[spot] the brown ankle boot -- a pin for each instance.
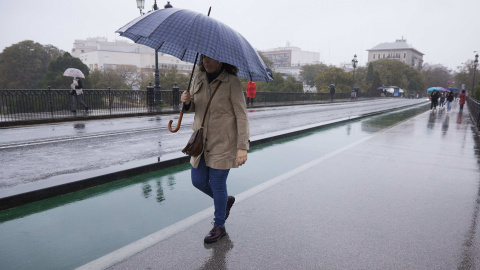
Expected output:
(215, 234)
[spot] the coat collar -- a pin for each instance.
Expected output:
(223, 77)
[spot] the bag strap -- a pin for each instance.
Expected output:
(209, 101)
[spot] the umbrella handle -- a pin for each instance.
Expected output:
(178, 124)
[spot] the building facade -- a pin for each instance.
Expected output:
(289, 60)
(99, 53)
(399, 50)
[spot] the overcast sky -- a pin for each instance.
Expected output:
(446, 31)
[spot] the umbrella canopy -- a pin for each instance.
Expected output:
(454, 89)
(73, 72)
(438, 88)
(184, 33)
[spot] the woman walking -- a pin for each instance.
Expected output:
(463, 98)
(226, 134)
(434, 100)
(450, 98)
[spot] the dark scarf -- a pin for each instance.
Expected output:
(213, 76)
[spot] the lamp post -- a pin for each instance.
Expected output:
(354, 65)
(474, 71)
(140, 5)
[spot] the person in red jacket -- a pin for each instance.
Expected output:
(463, 97)
(251, 91)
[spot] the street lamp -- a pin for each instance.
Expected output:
(140, 5)
(474, 71)
(354, 65)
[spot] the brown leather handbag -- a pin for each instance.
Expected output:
(195, 144)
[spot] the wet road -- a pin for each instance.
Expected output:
(401, 210)
(59, 152)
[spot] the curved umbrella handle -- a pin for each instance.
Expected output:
(178, 124)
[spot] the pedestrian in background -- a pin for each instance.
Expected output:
(332, 91)
(251, 92)
(463, 98)
(450, 98)
(442, 100)
(225, 132)
(77, 94)
(434, 100)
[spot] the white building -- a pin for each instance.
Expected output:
(399, 50)
(288, 60)
(99, 53)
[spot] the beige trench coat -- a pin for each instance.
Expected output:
(226, 125)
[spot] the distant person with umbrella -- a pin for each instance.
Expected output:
(463, 98)
(251, 91)
(226, 134)
(332, 91)
(434, 100)
(77, 93)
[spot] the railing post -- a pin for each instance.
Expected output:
(150, 98)
(175, 96)
(50, 100)
(110, 100)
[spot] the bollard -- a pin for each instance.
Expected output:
(175, 97)
(150, 98)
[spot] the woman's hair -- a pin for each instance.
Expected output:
(228, 68)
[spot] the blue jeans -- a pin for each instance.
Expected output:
(449, 105)
(213, 182)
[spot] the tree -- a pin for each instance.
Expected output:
(436, 75)
(337, 76)
(167, 79)
(464, 75)
(309, 72)
(393, 72)
(54, 76)
(24, 65)
(370, 73)
(103, 79)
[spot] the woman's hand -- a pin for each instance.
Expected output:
(185, 98)
(241, 157)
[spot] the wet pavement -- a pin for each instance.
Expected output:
(407, 197)
(49, 155)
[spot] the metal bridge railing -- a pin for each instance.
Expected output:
(474, 110)
(44, 104)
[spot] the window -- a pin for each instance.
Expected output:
(404, 55)
(373, 56)
(383, 55)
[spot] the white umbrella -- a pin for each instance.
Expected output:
(73, 72)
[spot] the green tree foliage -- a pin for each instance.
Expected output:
(103, 79)
(437, 75)
(464, 75)
(476, 92)
(394, 72)
(167, 79)
(54, 76)
(337, 76)
(309, 72)
(24, 65)
(280, 84)
(370, 74)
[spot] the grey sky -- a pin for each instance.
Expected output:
(446, 31)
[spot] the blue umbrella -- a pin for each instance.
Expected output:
(454, 89)
(184, 33)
